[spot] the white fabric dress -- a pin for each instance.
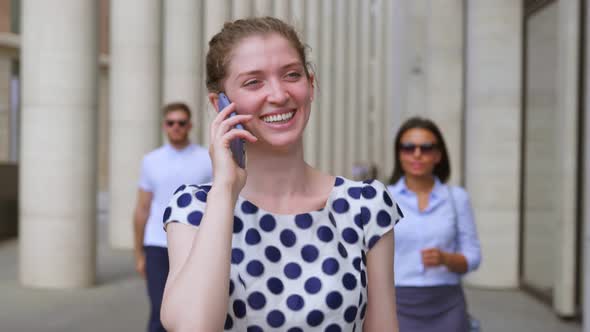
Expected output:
(304, 272)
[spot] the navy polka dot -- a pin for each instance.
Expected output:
(349, 281)
(292, 270)
(315, 318)
(241, 281)
(229, 323)
(257, 300)
(350, 314)
(239, 308)
(330, 266)
(333, 328)
(249, 208)
(294, 329)
(254, 328)
(206, 188)
(201, 195)
(238, 225)
(303, 221)
(363, 311)
(342, 250)
(275, 286)
(272, 253)
(267, 223)
(357, 264)
(340, 205)
(184, 200)
(252, 237)
(363, 278)
(325, 234)
(309, 253)
(354, 192)
(313, 285)
(399, 211)
(237, 256)
(358, 221)
(373, 241)
(339, 181)
(255, 268)
(365, 215)
(167, 214)
(383, 218)
(360, 299)
(369, 192)
(334, 300)
(231, 287)
(350, 235)
(363, 257)
(295, 302)
(387, 198)
(179, 189)
(194, 218)
(288, 238)
(332, 220)
(369, 181)
(275, 318)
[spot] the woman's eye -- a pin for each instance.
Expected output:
(293, 75)
(251, 82)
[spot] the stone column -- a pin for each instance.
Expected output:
(57, 191)
(281, 10)
(493, 133)
(5, 110)
(135, 90)
(326, 69)
(242, 9)
(182, 47)
(444, 82)
(339, 115)
(263, 7)
(351, 142)
(364, 70)
(312, 38)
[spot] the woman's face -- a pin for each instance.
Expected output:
(266, 78)
(419, 152)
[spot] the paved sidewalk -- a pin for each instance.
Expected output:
(119, 303)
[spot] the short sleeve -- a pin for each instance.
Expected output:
(144, 180)
(187, 205)
(379, 211)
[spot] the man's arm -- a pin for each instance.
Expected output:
(140, 217)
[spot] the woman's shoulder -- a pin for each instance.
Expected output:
(459, 193)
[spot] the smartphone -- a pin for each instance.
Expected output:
(237, 146)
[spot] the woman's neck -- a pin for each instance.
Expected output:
(276, 173)
(420, 184)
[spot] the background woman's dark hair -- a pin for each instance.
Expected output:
(443, 169)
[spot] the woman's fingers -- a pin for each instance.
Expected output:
(238, 134)
(229, 123)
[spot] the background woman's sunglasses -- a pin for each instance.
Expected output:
(410, 148)
(181, 123)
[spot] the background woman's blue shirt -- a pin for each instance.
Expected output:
(433, 228)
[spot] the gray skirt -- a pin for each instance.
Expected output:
(430, 309)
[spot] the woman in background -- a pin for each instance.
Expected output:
(437, 242)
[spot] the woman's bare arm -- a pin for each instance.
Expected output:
(381, 308)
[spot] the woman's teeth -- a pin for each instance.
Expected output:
(278, 117)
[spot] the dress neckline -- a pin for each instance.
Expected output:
(338, 181)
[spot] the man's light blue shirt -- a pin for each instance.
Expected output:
(433, 228)
(163, 171)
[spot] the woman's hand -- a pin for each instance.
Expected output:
(226, 172)
(432, 257)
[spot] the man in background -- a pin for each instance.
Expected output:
(162, 171)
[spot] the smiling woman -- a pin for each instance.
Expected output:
(279, 244)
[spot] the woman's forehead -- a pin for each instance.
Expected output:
(261, 52)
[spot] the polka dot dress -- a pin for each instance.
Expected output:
(304, 272)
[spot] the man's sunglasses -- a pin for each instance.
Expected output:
(181, 123)
(425, 148)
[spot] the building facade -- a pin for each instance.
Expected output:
(82, 83)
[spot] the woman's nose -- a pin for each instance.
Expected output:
(277, 93)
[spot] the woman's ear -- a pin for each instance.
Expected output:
(213, 99)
